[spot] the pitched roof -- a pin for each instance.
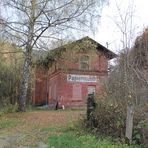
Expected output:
(100, 47)
(109, 54)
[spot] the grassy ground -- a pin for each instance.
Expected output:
(55, 129)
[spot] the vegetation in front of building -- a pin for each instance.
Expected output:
(127, 85)
(109, 119)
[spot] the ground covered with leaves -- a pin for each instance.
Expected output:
(47, 129)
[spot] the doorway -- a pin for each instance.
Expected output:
(91, 89)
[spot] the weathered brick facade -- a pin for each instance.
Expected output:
(73, 75)
(40, 91)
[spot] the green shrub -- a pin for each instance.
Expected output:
(140, 134)
(109, 119)
(8, 109)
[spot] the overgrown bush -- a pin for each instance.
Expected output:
(10, 72)
(109, 119)
(140, 132)
(9, 108)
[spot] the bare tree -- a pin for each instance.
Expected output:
(30, 23)
(123, 21)
(127, 79)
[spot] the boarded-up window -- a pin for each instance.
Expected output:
(77, 92)
(84, 62)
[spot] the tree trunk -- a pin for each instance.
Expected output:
(24, 84)
(27, 62)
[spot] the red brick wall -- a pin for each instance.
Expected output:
(69, 94)
(98, 61)
(53, 88)
(40, 92)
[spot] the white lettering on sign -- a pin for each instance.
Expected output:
(81, 78)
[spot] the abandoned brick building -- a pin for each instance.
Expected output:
(72, 72)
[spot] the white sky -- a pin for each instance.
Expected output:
(109, 32)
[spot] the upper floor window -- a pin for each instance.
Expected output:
(84, 62)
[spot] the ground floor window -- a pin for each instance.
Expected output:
(77, 92)
(91, 89)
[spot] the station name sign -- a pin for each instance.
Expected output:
(81, 78)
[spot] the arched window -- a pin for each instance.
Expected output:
(84, 62)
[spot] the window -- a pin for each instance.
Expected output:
(91, 89)
(84, 62)
(77, 92)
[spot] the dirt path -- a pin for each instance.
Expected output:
(33, 128)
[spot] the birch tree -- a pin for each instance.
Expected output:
(30, 23)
